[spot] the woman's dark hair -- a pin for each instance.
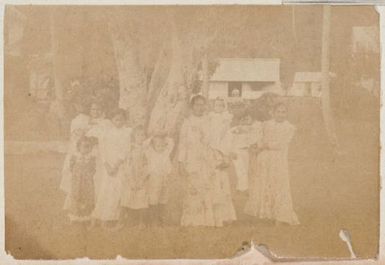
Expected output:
(195, 98)
(91, 141)
(94, 102)
(242, 114)
(138, 129)
(117, 112)
(279, 104)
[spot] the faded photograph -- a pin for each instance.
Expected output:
(191, 132)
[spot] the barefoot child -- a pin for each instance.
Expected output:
(157, 152)
(114, 147)
(135, 200)
(271, 198)
(81, 200)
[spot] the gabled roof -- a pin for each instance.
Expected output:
(247, 70)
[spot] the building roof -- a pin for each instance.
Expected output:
(310, 76)
(247, 70)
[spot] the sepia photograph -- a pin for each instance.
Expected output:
(191, 132)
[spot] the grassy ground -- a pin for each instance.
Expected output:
(330, 192)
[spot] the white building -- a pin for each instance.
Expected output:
(249, 78)
(306, 84)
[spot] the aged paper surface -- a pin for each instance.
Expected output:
(183, 132)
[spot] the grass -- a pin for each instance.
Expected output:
(330, 192)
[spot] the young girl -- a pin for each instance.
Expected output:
(79, 127)
(270, 196)
(96, 127)
(157, 152)
(135, 198)
(219, 123)
(114, 147)
(81, 200)
(237, 143)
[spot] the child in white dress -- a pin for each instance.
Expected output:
(157, 151)
(97, 125)
(114, 147)
(135, 199)
(219, 123)
(219, 120)
(271, 196)
(237, 143)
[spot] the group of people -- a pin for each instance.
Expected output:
(113, 173)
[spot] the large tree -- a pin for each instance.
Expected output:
(131, 75)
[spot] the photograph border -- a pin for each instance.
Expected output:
(248, 257)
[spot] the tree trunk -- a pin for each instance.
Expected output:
(56, 59)
(172, 100)
(132, 79)
(159, 75)
(205, 75)
(325, 65)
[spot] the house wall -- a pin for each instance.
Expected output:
(220, 89)
(301, 89)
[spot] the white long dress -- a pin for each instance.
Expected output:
(114, 148)
(238, 140)
(270, 195)
(135, 179)
(159, 168)
(219, 124)
(97, 128)
(198, 160)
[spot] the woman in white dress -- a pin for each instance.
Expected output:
(270, 195)
(197, 166)
(114, 147)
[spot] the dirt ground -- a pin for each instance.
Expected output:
(330, 192)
